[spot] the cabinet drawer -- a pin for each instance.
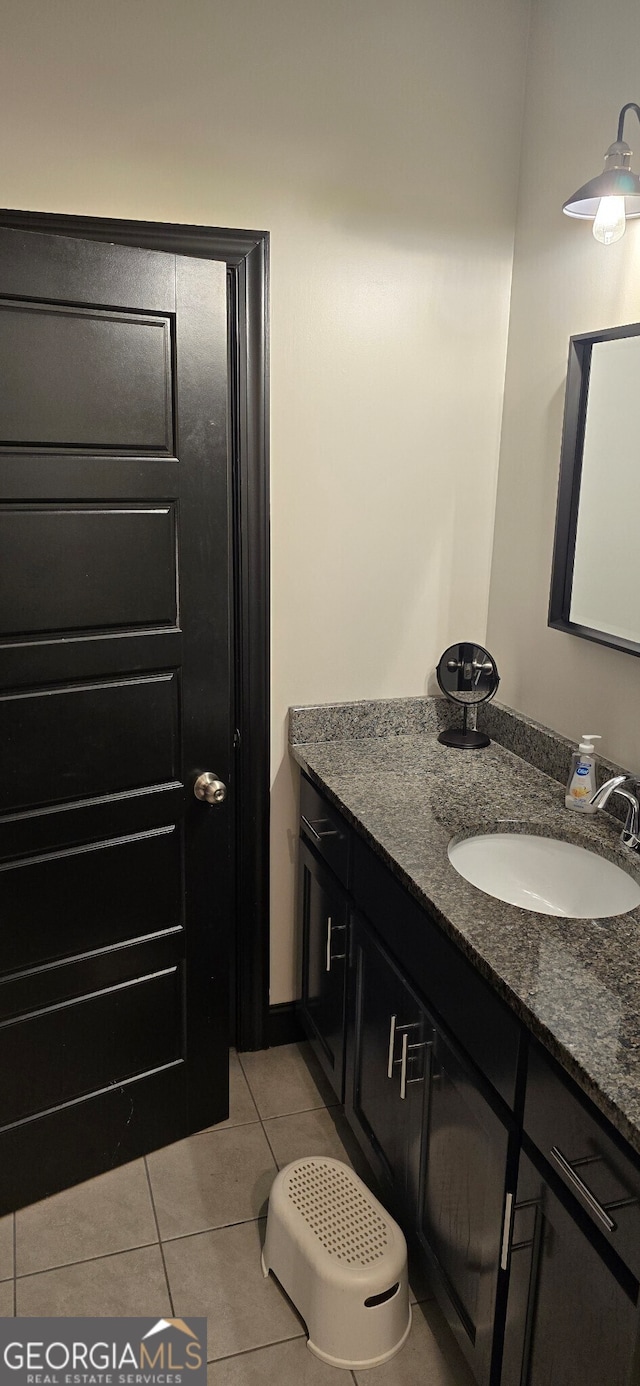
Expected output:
(574, 1141)
(324, 828)
(475, 1016)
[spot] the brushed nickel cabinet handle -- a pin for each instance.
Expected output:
(395, 1029)
(330, 832)
(581, 1188)
(331, 929)
(506, 1232)
(392, 1043)
(403, 1066)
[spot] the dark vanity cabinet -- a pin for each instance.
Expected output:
(390, 1042)
(575, 1244)
(464, 1202)
(439, 1150)
(572, 1314)
(524, 1203)
(323, 914)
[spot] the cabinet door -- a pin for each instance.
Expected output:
(571, 1316)
(465, 1148)
(386, 1069)
(323, 917)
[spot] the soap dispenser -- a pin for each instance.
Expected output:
(581, 785)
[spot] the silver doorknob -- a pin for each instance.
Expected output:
(209, 788)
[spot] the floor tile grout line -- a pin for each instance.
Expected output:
(322, 1105)
(260, 1118)
(249, 1088)
(302, 1111)
(143, 1246)
(227, 1125)
(273, 1153)
(206, 1231)
(222, 1130)
(283, 1117)
(246, 1079)
(261, 1347)
(157, 1224)
(102, 1256)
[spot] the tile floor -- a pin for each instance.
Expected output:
(179, 1233)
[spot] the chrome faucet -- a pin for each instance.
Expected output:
(630, 835)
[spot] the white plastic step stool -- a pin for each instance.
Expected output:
(342, 1261)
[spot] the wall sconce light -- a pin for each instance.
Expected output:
(614, 195)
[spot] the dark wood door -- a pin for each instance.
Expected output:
(572, 1312)
(388, 1050)
(323, 915)
(465, 1148)
(114, 695)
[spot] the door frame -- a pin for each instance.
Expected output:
(246, 254)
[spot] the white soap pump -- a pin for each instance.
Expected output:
(581, 785)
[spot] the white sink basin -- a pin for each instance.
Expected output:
(545, 875)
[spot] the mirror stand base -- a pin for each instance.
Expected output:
(465, 740)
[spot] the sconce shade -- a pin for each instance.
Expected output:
(614, 182)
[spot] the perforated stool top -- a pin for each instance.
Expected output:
(342, 1217)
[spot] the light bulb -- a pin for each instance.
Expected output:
(610, 222)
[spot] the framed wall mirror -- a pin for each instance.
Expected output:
(595, 587)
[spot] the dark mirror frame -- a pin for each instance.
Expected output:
(575, 413)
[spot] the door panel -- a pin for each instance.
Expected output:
(124, 888)
(77, 378)
(27, 992)
(90, 820)
(127, 729)
(145, 1110)
(115, 568)
(114, 694)
(140, 280)
(121, 1031)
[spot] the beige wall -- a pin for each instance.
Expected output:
(582, 69)
(377, 140)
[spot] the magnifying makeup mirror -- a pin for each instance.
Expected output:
(467, 674)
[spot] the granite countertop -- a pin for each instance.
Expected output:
(574, 983)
